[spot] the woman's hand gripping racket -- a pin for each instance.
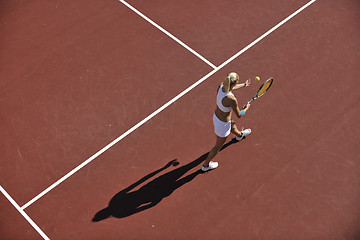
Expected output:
(262, 90)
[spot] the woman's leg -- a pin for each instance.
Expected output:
(235, 130)
(239, 134)
(219, 142)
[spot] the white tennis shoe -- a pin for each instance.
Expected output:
(244, 133)
(212, 165)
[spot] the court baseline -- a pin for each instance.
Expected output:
(21, 211)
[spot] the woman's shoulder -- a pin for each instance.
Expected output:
(231, 96)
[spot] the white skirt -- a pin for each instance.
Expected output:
(222, 129)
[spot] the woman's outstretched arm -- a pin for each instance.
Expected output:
(241, 85)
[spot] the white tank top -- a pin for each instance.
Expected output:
(219, 98)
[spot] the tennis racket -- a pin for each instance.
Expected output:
(262, 90)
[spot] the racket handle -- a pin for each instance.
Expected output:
(247, 103)
(244, 106)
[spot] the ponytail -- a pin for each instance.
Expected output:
(226, 84)
(230, 80)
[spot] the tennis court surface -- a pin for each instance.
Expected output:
(106, 117)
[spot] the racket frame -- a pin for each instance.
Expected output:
(256, 94)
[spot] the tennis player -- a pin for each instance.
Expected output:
(223, 125)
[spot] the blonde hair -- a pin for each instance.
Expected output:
(230, 80)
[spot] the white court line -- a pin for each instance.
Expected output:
(163, 107)
(23, 213)
(267, 33)
(168, 34)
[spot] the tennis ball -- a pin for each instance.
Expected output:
(257, 78)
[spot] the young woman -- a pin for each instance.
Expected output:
(226, 103)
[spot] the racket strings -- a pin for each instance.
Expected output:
(264, 88)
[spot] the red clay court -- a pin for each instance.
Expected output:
(106, 117)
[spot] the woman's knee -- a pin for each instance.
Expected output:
(219, 143)
(233, 126)
(216, 148)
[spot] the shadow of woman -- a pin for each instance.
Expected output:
(127, 202)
